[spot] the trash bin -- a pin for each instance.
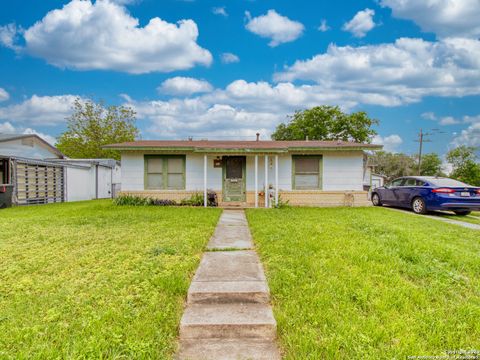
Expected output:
(6, 196)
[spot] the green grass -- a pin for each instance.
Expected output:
(369, 283)
(92, 280)
(473, 218)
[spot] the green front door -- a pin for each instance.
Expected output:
(234, 178)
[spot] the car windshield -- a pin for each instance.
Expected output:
(447, 182)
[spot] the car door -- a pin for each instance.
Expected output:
(404, 192)
(390, 192)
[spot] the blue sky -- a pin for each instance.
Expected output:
(227, 69)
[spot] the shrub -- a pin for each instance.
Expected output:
(164, 202)
(197, 199)
(133, 200)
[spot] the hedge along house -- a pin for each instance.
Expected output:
(247, 173)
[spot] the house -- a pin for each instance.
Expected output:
(38, 173)
(371, 180)
(29, 146)
(314, 173)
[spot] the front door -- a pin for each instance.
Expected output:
(234, 178)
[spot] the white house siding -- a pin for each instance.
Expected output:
(194, 173)
(26, 148)
(343, 171)
(132, 172)
(284, 172)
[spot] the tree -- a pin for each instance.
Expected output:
(393, 165)
(92, 125)
(327, 123)
(464, 164)
(431, 165)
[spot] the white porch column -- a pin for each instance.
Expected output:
(276, 180)
(205, 162)
(256, 181)
(266, 181)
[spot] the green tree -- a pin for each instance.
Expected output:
(92, 125)
(393, 165)
(431, 165)
(464, 164)
(327, 123)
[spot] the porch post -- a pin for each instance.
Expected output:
(256, 181)
(266, 181)
(276, 180)
(205, 200)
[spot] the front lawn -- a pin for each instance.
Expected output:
(473, 218)
(92, 280)
(369, 283)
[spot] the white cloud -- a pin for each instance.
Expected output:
(402, 72)
(7, 128)
(323, 26)
(8, 34)
(429, 115)
(221, 10)
(390, 143)
(39, 110)
(448, 120)
(184, 86)
(229, 58)
(104, 36)
(469, 136)
(4, 95)
(361, 23)
(279, 29)
(443, 17)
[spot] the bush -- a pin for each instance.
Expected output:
(164, 202)
(197, 199)
(133, 200)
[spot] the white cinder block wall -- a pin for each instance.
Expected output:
(341, 171)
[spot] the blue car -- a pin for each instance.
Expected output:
(428, 193)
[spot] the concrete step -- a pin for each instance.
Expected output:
(223, 292)
(243, 265)
(228, 349)
(231, 321)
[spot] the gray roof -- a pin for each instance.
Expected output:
(10, 137)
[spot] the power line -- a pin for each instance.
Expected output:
(423, 138)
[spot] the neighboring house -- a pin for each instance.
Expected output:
(38, 173)
(371, 180)
(28, 146)
(315, 173)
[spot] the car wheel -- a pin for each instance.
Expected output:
(376, 200)
(462, 213)
(419, 206)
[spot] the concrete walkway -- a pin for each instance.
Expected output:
(439, 218)
(228, 315)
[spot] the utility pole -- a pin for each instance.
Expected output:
(423, 137)
(420, 140)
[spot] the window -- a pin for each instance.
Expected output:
(307, 172)
(397, 182)
(410, 182)
(164, 172)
